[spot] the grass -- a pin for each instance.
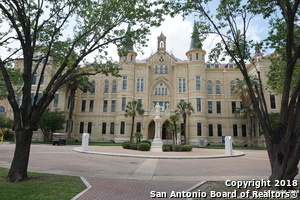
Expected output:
(40, 186)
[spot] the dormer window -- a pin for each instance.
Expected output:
(207, 66)
(231, 66)
(197, 56)
(191, 57)
(217, 66)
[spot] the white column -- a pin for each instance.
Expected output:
(228, 146)
(85, 141)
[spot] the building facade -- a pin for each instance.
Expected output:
(162, 78)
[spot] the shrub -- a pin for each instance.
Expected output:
(177, 147)
(146, 141)
(133, 146)
(165, 148)
(8, 135)
(143, 147)
(126, 145)
(170, 146)
(187, 147)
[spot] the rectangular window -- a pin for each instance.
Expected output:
(91, 109)
(217, 66)
(139, 101)
(34, 77)
(122, 128)
(209, 107)
(197, 56)
(140, 85)
(199, 129)
(219, 130)
(123, 103)
(235, 130)
(90, 125)
(114, 87)
(182, 85)
(272, 101)
(219, 107)
(198, 83)
(182, 129)
(233, 107)
(55, 101)
(138, 126)
(198, 104)
(113, 105)
(83, 103)
(244, 130)
(124, 85)
(81, 127)
(103, 127)
(207, 66)
(112, 128)
(210, 130)
(105, 106)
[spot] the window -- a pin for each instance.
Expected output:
(42, 79)
(231, 66)
(161, 89)
(2, 110)
(235, 130)
(219, 130)
(181, 85)
(207, 66)
(138, 126)
(112, 128)
(166, 69)
(124, 85)
(139, 101)
(161, 69)
(106, 86)
(198, 104)
(123, 103)
(209, 87)
(156, 69)
(103, 128)
(131, 58)
(89, 130)
(92, 87)
(122, 128)
(83, 103)
(113, 105)
(34, 77)
(55, 101)
(233, 107)
(217, 66)
(199, 129)
(218, 87)
(81, 127)
(114, 87)
(163, 105)
(209, 107)
(272, 101)
(198, 83)
(219, 107)
(191, 57)
(91, 108)
(140, 85)
(210, 130)
(182, 129)
(197, 56)
(105, 106)
(231, 87)
(244, 130)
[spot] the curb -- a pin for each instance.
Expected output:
(88, 187)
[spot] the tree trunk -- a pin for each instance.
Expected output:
(70, 118)
(184, 129)
(18, 169)
(249, 128)
(132, 127)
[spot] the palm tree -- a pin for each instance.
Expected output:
(132, 109)
(184, 109)
(82, 83)
(174, 127)
(242, 91)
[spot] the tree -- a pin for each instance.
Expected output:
(231, 24)
(61, 34)
(242, 91)
(132, 109)
(82, 83)
(184, 109)
(50, 122)
(174, 127)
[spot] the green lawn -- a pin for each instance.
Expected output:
(234, 147)
(40, 186)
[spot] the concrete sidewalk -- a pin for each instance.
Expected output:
(114, 177)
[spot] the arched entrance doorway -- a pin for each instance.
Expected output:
(164, 134)
(151, 130)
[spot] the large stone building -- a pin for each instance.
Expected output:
(165, 79)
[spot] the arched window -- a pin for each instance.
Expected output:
(161, 69)
(106, 86)
(231, 87)
(114, 87)
(166, 69)
(209, 87)
(218, 87)
(2, 110)
(161, 89)
(156, 69)
(161, 44)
